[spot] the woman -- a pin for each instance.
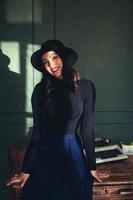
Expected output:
(55, 167)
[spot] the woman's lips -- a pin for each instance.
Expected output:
(55, 69)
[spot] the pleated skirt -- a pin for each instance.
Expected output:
(59, 172)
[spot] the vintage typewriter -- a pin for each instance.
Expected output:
(107, 153)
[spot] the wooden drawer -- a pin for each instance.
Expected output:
(123, 192)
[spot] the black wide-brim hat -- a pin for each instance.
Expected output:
(53, 45)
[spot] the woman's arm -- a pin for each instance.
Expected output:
(86, 127)
(35, 138)
(87, 130)
(18, 180)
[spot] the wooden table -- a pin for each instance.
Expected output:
(119, 185)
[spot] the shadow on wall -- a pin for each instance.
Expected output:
(12, 119)
(11, 87)
(17, 37)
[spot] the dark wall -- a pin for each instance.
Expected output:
(100, 31)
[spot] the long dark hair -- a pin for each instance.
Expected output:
(71, 77)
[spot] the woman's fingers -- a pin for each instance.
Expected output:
(14, 179)
(24, 181)
(18, 180)
(99, 176)
(103, 175)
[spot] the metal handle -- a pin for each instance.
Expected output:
(125, 191)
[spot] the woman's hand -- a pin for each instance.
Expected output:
(18, 180)
(98, 176)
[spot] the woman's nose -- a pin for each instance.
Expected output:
(52, 64)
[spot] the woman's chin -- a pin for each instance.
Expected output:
(58, 76)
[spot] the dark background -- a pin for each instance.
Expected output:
(100, 31)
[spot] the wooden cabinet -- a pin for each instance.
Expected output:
(119, 185)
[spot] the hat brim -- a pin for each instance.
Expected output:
(68, 53)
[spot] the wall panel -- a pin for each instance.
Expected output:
(101, 31)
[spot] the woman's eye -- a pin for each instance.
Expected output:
(55, 57)
(44, 62)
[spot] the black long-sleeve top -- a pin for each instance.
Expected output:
(61, 113)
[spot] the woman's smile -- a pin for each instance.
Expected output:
(55, 69)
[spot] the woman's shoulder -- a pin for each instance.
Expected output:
(38, 90)
(85, 83)
(87, 88)
(37, 87)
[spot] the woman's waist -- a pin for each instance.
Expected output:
(56, 139)
(57, 136)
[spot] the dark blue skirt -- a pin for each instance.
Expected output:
(59, 172)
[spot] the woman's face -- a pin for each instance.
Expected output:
(53, 64)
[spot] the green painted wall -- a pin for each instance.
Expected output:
(100, 31)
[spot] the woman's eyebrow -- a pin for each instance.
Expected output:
(54, 54)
